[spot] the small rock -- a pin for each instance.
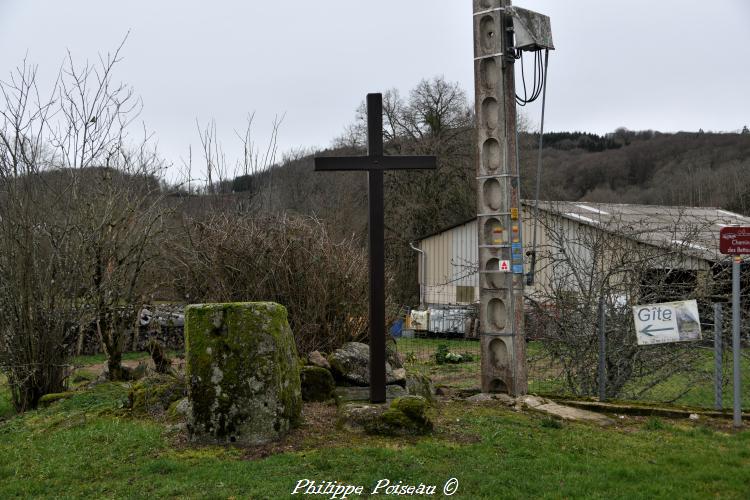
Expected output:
(315, 358)
(504, 398)
(155, 394)
(480, 398)
(414, 407)
(420, 385)
(317, 383)
(140, 371)
(345, 394)
(694, 416)
(181, 407)
(360, 416)
(532, 401)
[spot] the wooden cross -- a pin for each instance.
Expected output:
(374, 164)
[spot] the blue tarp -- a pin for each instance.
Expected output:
(396, 328)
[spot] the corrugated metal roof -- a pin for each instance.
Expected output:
(696, 229)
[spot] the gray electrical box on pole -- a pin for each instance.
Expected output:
(501, 272)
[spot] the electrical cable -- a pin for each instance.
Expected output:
(532, 252)
(538, 77)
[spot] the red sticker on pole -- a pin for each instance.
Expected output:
(734, 240)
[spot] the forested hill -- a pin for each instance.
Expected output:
(686, 168)
(646, 167)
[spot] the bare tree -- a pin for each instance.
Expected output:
(615, 265)
(37, 281)
(244, 184)
(80, 210)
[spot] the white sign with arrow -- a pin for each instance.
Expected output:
(667, 322)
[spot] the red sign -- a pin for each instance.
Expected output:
(734, 240)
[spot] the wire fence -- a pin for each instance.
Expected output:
(442, 341)
(445, 346)
(682, 373)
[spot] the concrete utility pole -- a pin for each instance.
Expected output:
(501, 273)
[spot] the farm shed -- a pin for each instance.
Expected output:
(577, 236)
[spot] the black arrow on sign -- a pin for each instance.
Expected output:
(648, 330)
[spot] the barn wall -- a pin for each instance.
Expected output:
(451, 261)
(451, 253)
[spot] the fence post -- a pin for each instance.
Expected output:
(736, 319)
(718, 339)
(602, 351)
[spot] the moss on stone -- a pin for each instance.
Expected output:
(48, 399)
(393, 419)
(154, 394)
(234, 352)
(415, 407)
(406, 416)
(178, 409)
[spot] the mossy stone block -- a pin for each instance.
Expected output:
(243, 372)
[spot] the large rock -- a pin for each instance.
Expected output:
(243, 372)
(317, 384)
(351, 364)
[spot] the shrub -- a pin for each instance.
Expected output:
(441, 354)
(290, 260)
(466, 357)
(453, 357)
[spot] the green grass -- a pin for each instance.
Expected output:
(419, 354)
(88, 446)
(6, 407)
(95, 359)
(545, 374)
(702, 392)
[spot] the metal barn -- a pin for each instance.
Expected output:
(687, 238)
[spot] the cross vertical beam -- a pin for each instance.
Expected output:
(376, 206)
(374, 164)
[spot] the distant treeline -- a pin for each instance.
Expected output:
(579, 140)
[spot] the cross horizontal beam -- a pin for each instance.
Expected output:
(336, 163)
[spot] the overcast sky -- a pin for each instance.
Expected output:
(666, 65)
